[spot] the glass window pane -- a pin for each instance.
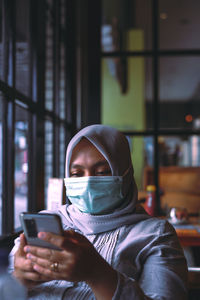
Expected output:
(1, 46)
(21, 163)
(49, 58)
(62, 65)
(1, 21)
(182, 151)
(48, 154)
(179, 172)
(62, 151)
(130, 109)
(22, 46)
(142, 152)
(126, 25)
(1, 153)
(62, 84)
(179, 24)
(179, 92)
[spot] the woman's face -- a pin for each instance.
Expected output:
(86, 160)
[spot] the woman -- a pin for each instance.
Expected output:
(111, 248)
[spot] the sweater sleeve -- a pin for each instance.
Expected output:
(12, 254)
(163, 273)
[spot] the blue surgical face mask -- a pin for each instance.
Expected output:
(95, 194)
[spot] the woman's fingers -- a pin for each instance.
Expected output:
(68, 242)
(63, 242)
(22, 240)
(64, 270)
(23, 267)
(20, 261)
(74, 262)
(23, 264)
(46, 263)
(39, 251)
(31, 276)
(22, 244)
(38, 256)
(46, 272)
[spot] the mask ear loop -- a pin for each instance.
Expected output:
(126, 184)
(127, 171)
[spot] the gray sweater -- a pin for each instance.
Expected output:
(144, 250)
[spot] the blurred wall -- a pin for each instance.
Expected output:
(127, 111)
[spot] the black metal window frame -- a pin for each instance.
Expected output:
(34, 103)
(155, 54)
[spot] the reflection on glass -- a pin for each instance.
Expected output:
(179, 24)
(126, 25)
(62, 152)
(131, 110)
(1, 144)
(62, 84)
(179, 91)
(179, 151)
(170, 151)
(142, 152)
(49, 58)
(179, 172)
(48, 154)
(21, 163)
(62, 66)
(22, 46)
(1, 48)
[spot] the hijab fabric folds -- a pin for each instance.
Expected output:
(113, 145)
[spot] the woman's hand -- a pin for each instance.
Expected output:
(23, 267)
(77, 261)
(74, 260)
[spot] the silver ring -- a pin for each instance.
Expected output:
(54, 267)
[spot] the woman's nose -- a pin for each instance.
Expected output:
(88, 172)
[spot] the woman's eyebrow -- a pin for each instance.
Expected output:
(97, 164)
(101, 163)
(76, 166)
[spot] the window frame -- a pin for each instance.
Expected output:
(34, 104)
(155, 53)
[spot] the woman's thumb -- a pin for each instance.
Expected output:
(22, 241)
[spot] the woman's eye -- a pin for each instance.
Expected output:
(103, 173)
(75, 174)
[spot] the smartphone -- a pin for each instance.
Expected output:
(32, 223)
